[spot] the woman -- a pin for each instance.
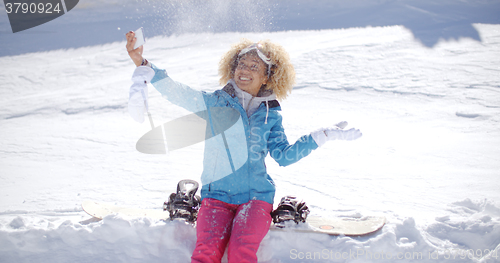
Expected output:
(237, 193)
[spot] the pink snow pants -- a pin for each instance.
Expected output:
(239, 227)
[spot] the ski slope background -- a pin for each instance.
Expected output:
(420, 79)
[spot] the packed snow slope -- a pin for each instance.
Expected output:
(94, 22)
(429, 158)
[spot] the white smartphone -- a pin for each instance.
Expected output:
(139, 34)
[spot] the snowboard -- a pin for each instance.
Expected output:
(336, 226)
(101, 210)
(348, 226)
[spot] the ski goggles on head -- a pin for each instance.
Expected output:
(257, 47)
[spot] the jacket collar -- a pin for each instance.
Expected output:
(266, 96)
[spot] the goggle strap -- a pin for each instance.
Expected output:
(261, 55)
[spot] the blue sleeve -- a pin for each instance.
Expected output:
(285, 153)
(178, 93)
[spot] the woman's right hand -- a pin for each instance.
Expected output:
(135, 54)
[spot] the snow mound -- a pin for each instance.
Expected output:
(114, 239)
(476, 223)
(472, 229)
(469, 231)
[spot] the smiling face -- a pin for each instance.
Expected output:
(250, 73)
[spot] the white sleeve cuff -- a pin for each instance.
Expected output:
(319, 137)
(143, 74)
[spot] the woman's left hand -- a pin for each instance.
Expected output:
(338, 134)
(321, 136)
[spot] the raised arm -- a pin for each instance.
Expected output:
(135, 54)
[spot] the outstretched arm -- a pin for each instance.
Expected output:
(285, 153)
(175, 92)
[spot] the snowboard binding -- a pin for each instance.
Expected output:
(290, 208)
(184, 204)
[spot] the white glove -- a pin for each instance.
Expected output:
(323, 135)
(138, 94)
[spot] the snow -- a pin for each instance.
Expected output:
(420, 79)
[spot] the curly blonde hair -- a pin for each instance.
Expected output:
(282, 75)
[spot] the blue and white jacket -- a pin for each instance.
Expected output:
(233, 168)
